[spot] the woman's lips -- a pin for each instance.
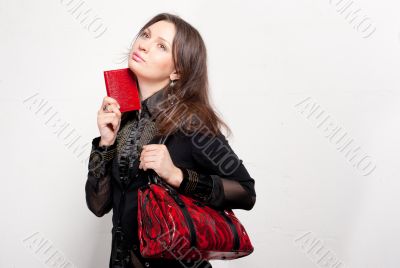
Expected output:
(136, 57)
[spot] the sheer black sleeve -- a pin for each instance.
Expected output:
(222, 180)
(98, 184)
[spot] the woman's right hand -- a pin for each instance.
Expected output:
(108, 121)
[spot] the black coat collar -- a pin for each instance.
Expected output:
(152, 103)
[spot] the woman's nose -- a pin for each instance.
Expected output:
(143, 46)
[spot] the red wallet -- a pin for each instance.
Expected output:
(121, 85)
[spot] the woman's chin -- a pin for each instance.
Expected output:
(136, 71)
(131, 64)
(133, 67)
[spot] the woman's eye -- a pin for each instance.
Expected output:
(144, 34)
(163, 47)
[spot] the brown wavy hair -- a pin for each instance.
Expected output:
(191, 110)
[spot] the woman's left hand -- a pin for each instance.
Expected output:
(157, 157)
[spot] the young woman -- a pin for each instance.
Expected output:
(168, 58)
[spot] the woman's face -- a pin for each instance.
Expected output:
(154, 46)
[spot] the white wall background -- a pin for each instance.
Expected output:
(265, 57)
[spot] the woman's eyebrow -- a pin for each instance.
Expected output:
(148, 29)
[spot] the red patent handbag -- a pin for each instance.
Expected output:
(176, 226)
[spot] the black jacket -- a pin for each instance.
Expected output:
(213, 173)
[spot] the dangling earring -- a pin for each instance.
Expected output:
(170, 99)
(171, 85)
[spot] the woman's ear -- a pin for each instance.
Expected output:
(174, 76)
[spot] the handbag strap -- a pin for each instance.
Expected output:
(152, 176)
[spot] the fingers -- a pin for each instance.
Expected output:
(110, 118)
(148, 156)
(149, 151)
(109, 100)
(113, 108)
(152, 147)
(109, 105)
(149, 162)
(109, 112)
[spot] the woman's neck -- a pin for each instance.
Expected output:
(146, 89)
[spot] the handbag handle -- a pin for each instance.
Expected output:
(152, 176)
